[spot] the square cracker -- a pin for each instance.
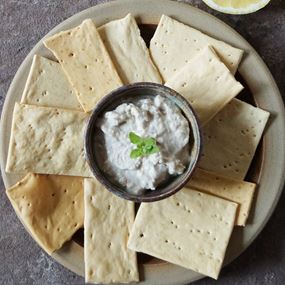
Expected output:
(206, 83)
(230, 139)
(190, 229)
(48, 141)
(48, 86)
(174, 44)
(240, 192)
(128, 51)
(107, 223)
(86, 63)
(50, 206)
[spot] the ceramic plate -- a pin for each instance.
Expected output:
(267, 168)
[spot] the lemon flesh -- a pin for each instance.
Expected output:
(237, 6)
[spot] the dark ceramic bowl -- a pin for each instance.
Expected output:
(128, 94)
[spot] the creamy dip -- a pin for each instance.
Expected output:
(157, 118)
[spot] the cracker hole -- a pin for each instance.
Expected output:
(75, 225)
(183, 84)
(232, 63)
(71, 54)
(38, 100)
(73, 202)
(58, 229)
(29, 204)
(172, 222)
(109, 245)
(53, 194)
(166, 241)
(85, 66)
(210, 59)
(91, 236)
(179, 248)
(91, 88)
(44, 93)
(141, 235)
(214, 238)
(46, 227)
(109, 207)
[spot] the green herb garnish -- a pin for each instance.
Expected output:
(145, 146)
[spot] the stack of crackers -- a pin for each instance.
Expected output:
(58, 194)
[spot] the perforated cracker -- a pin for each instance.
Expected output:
(206, 83)
(240, 192)
(190, 229)
(175, 44)
(50, 206)
(48, 141)
(48, 86)
(128, 51)
(86, 63)
(230, 139)
(107, 223)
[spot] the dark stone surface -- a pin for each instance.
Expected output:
(23, 24)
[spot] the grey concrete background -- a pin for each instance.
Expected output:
(22, 24)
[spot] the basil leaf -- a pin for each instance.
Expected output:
(135, 139)
(154, 149)
(135, 153)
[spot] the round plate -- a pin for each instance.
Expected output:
(270, 168)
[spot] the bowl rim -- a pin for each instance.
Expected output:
(97, 172)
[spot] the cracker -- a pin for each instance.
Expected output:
(107, 223)
(128, 51)
(50, 206)
(48, 141)
(48, 86)
(206, 83)
(230, 139)
(86, 63)
(174, 44)
(240, 192)
(190, 229)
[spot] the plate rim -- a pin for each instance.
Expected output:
(169, 4)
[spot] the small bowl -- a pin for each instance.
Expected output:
(129, 94)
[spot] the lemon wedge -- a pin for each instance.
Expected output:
(237, 6)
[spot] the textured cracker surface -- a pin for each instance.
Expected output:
(21, 260)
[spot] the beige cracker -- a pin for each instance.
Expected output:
(190, 229)
(50, 206)
(231, 138)
(206, 83)
(240, 192)
(107, 223)
(48, 141)
(48, 86)
(175, 44)
(86, 63)
(128, 51)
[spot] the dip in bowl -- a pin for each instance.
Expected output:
(143, 142)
